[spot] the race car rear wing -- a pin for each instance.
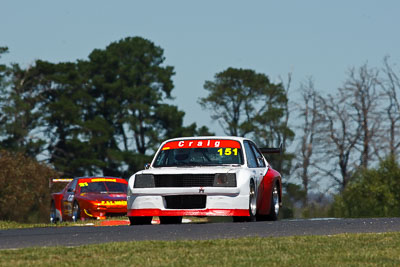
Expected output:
(272, 150)
(59, 180)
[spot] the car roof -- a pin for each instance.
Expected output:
(240, 139)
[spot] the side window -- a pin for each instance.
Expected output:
(259, 157)
(251, 159)
(72, 185)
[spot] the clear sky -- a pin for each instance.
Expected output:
(200, 38)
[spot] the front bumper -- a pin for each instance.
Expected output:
(101, 212)
(202, 212)
(219, 202)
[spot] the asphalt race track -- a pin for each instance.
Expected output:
(80, 235)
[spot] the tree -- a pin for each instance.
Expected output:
(271, 128)
(107, 114)
(309, 137)
(246, 103)
(25, 193)
(371, 193)
(3, 68)
(64, 102)
(204, 131)
(129, 84)
(341, 136)
(391, 87)
(363, 97)
(101, 116)
(20, 112)
(3, 92)
(240, 97)
(293, 194)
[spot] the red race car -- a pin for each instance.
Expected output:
(89, 198)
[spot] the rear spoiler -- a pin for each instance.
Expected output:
(59, 180)
(272, 150)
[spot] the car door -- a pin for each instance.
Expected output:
(68, 198)
(256, 167)
(264, 186)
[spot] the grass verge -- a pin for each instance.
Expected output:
(4, 225)
(337, 250)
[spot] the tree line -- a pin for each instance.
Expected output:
(350, 130)
(106, 116)
(101, 116)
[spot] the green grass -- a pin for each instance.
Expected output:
(337, 250)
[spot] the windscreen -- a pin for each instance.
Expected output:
(199, 153)
(103, 187)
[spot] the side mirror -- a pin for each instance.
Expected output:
(146, 166)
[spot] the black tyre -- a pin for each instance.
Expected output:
(252, 206)
(53, 214)
(170, 219)
(76, 212)
(140, 220)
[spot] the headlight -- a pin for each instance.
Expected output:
(144, 181)
(225, 180)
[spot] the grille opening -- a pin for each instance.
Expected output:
(186, 202)
(184, 180)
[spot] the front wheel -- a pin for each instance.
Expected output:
(53, 214)
(76, 212)
(140, 220)
(274, 208)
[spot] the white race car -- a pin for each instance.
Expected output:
(205, 176)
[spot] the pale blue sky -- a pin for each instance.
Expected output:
(200, 38)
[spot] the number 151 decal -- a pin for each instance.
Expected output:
(228, 151)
